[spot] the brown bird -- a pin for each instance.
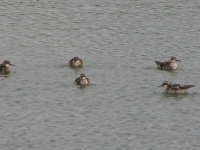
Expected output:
(76, 62)
(82, 80)
(175, 88)
(5, 67)
(168, 65)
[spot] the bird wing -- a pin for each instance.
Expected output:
(77, 81)
(182, 87)
(176, 86)
(185, 87)
(161, 64)
(1, 67)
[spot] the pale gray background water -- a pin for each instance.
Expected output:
(118, 41)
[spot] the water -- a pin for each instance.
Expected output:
(119, 41)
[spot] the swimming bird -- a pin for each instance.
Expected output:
(82, 80)
(168, 65)
(175, 88)
(76, 62)
(5, 67)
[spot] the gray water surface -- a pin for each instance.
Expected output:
(119, 41)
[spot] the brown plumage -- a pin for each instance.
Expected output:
(5, 67)
(76, 62)
(168, 65)
(175, 88)
(82, 80)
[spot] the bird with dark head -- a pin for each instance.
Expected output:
(5, 67)
(76, 62)
(175, 88)
(82, 80)
(168, 65)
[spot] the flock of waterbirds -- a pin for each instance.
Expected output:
(77, 62)
(172, 88)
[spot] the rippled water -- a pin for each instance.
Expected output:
(119, 41)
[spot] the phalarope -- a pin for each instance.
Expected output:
(82, 80)
(175, 88)
(76, 62)
(168, 65)
(5, 67)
